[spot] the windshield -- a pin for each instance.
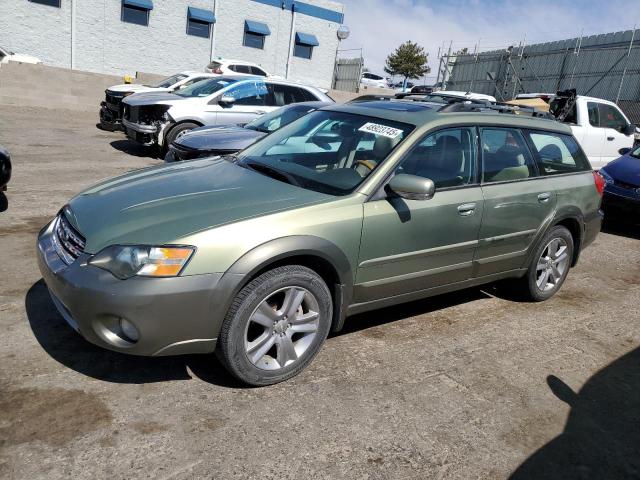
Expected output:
(272, 121)
(167, 82)
(205, 88)
(326, 151)
(636, 152)
(435, 98)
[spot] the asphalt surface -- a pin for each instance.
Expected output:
(467, 385)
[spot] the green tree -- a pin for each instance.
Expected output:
(409, 60)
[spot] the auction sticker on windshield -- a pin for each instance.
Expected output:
(378, 129)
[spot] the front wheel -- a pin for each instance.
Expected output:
(175, 133)
(550, 264)
(276, 325)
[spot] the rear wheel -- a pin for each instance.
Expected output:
(550, 264)
(276, 325)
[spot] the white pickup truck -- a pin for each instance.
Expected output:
(600, 127)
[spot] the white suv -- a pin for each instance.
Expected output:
(222, 66)
(372, 80)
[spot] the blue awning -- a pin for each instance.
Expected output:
(201, 15)
(306, 39)
(256, 27)
(144, 4)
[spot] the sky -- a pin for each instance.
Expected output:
(379, 26)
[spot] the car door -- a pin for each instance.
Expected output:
(413, 245)
(517, 200)
(250, 100)
(590, 135)
(613, 122)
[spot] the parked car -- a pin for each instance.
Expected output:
(227, 139)
(621, 199)
(160, 118)
(260, 255)
(449, 96)
(111, 108)
(422, 89)
(369, 79)
(399, 87)
(599, 125)
(227, 66)
(7, 56)
(5, 168)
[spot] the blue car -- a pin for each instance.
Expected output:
(621, 199)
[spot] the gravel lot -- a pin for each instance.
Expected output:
(467, 385)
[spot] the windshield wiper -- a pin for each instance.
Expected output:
(271, 172)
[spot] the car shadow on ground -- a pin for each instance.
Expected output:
(601, 438)
(621, 229)
(66, 346)
(135, 149)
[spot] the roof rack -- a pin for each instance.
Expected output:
(480, 106)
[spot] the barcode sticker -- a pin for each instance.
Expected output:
(378, 129)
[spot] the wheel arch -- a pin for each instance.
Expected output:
(170, 127)
(318, 254)
(572, 219)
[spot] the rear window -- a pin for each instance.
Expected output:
(557, 153)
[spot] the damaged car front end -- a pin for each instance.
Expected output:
(145, 124)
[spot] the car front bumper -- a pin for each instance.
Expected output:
(621, 207)
(110, 118)
(172, 315)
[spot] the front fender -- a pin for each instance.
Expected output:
(275, 252)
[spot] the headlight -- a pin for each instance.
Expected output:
(607, 178)
(125, 261)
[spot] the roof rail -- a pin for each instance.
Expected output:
(480, 106)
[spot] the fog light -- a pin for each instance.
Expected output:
(129, 330)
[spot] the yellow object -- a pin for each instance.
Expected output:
(127, 79)
(165, 261)
(531, 102)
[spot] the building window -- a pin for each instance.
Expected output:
(254, 34)
(199, 22)
(51, 3)
(136, 11)
(303, 47)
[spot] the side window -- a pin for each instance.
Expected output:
(505, 156)
(241, 69)
(287, 94)
(594, 114)
(558, 153)
(258, 71)
(252, 93)
(610, 117)
(448, 157)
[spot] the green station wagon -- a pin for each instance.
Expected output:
(348, 209)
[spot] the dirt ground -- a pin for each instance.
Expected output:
(467, 385)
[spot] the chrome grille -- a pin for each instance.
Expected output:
(67, 240)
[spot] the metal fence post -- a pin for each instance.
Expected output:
(624, 71)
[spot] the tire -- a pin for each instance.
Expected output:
(541, 283)
(258, 331)
(175, 132)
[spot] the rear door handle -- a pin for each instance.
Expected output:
(466, 209)
(611, 139)
(544, 197)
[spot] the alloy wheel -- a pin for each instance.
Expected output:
(552, 264)
(281, 328)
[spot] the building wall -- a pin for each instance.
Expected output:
(38, 30)
(105, 44)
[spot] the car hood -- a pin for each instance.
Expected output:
(625, 169)
(135, 88)
(152, 98)
(220, 138)
(160, 205)
(21, 57)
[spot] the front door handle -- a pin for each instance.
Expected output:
(611, 139)
(466, 209)
(544, 197)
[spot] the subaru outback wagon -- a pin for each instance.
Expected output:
(350, 208)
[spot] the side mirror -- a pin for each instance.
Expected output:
(226, 101)
(412, 187)
(624, 151)
(630, 129)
